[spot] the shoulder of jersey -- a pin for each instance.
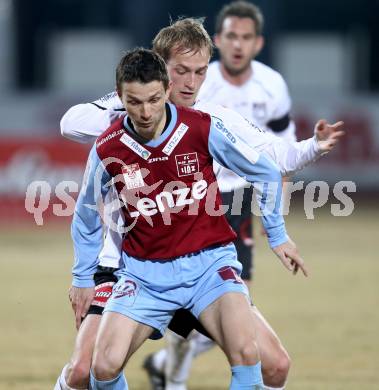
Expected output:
(269, 77)
(194, 113)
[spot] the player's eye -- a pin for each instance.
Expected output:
(181, 71)
(231, 36)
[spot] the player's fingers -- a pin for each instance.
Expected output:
(73, 303)
(295, 267)
(303, 268)
(337, 124)
(286, 261)
(338, 134)
(300, 263)
(86, 307)
(78, 319)
(321, 124)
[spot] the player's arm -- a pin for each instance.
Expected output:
(85, 122)
(281, 123)
(231, 152)
(290, 156)
(87, 234)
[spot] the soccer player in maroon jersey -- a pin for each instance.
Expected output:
(187, 70)
(178, 253)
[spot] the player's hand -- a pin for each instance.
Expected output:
(289, 256)
(328, 135)
(81, 299)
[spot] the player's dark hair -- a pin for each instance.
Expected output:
(241, 9)
(143, 66)
(184, 35)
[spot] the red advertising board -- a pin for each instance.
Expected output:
(43, 167)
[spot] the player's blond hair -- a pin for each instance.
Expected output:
(184, 35)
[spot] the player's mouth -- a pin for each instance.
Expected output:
(236, 58)
(146, 125)
(186, 94)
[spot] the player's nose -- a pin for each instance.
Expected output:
(190, 81)
(237, 43)
(145, 111)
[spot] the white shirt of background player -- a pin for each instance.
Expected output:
(263, 100)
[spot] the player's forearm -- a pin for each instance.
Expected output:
(291, 157)
(86, 232)
(86, 228)
(267, 181)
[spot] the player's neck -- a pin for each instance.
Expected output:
(237, 79)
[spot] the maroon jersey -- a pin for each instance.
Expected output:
(168, 188)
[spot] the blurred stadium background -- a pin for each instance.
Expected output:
(57, 53)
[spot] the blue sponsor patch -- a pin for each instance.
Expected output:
(220, 126)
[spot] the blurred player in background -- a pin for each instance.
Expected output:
(84, 122)
(260, 95)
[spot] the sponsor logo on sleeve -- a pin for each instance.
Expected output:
(239, 144)
(228, 134)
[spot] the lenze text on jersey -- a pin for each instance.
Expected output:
(165, 200)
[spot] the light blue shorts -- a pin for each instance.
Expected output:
(150, 292)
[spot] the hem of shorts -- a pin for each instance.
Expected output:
(153, 324)
(214, 295)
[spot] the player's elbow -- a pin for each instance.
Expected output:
(65, 127)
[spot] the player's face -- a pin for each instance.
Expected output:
(187, 71)
(238, 44)
(145, 105)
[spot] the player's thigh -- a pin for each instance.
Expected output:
(270, 347)
(118, 338)
(228, 320)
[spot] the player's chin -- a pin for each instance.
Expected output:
(186, 101)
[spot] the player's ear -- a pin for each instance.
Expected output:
(168, 90)
(259, 44)
(216, 40)
(118, 92)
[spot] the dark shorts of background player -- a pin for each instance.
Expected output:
(242, 225)
(183, 322)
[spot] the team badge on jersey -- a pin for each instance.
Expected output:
(187, 164)
(259, 110)
(132, 176)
